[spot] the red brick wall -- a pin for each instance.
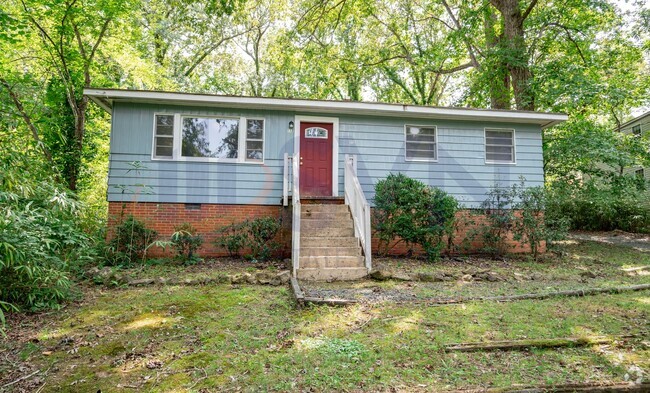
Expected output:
(163, 217)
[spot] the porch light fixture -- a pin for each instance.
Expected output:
(290, 130)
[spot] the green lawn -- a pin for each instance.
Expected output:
(253, 338)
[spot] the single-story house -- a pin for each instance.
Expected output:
(639, 127)
(212, 160)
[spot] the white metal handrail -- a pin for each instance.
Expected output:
(295, 200)
(359, 207)
(285, 180)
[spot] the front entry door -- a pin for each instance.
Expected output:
(316, 159)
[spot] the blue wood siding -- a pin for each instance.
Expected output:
(378, 143)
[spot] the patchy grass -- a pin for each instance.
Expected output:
(252, 338)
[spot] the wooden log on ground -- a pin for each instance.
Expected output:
(537, 343)
(568, 388)
(539, 296)
(636, 269)
(329, 301)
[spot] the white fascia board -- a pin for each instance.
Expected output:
(315, 106)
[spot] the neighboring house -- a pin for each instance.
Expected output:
(213, 160)
(639, 126)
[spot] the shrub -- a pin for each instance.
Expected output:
(497, 210)
(231, 238)
(40, 237)
(595, 207)
(186, 241)
(130, 242)
(408, 210)
(255, 235)
(261, 231)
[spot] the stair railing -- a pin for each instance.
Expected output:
(359, 207)
(295, 222)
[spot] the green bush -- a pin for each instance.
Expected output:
(131, 239)
(231, 238)
(255, 235)
(500, 220)
(261, 231)
(408, 210)
(594, 207)
(185, 242)
(40, 239)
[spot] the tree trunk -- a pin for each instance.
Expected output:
(515, 54)
(494, 68)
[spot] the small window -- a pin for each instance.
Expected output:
(499, 145)
(639, 173)
(164, 136)
(636, 130)
(316, 132)
(210, 137)
(421, 144)
(254, 140)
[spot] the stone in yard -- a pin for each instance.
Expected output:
(588, 274)
(264, 277)
(467, 278)
(92, 272)
(380, 275)
(240, 278)
(402, 277)
(284, 276)
(161, 280)
(250, 279)
(493, 277)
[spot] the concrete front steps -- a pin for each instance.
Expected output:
(328, 249)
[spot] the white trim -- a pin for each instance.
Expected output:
(435, 128)
(335, 107)
(335, 143)
(514, 146)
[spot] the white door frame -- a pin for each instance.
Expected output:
(335, 143)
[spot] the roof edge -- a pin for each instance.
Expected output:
(105, 98)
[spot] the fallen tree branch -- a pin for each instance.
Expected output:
(329, 301)
(568, 388)
(538, 296)
(20, 379)
(537, 343)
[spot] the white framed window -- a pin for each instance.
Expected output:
(499, 146)
(163, 140)
(421, 143)
(639, 173)
(187, 137)
(636, 130)
(254, 140)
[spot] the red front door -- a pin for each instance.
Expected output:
(316, 159)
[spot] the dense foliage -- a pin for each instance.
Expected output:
(42, 241)
(408, 210)
(255, 236)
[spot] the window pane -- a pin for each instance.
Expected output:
(254, 129)
(498, 134)
(254, 155)
(207, 137)
(498, 141)
(500, 149)
(421, 154)
(499, 157)
(164, 146)
(165, 125)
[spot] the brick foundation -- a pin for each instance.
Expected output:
(207, 218)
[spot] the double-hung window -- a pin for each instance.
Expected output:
(636, 130)
(499, 146)
(421, 143)
(163, 144)
(208, 138)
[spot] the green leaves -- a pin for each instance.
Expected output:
(408, 210)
